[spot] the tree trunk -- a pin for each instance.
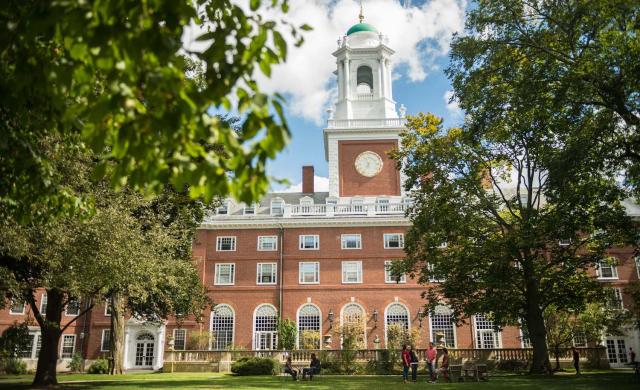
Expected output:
(50, 334)
(116, 365)
(536, 328)
(557, 354)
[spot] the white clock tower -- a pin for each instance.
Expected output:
(364, 125)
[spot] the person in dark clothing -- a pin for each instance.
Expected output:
(414, 364)
(576, 360)
(444, 367)
(406, 362)
(314, 368)
(288, 368)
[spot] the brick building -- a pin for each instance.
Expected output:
(320, 258)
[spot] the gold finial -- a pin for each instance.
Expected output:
(361, 16)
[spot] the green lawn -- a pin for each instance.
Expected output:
(613, 380)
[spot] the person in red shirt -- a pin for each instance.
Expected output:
(431, 353)
(406, 362)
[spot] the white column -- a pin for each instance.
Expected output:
(340, 81)
(347, 92)
(383, 78)
(380, 91)
(389, 90)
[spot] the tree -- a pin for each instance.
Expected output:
(113, 71)
(287, 332)
(120, 246)
(583, 55)
(488, 225)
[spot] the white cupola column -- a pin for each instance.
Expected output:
(347, 92)
(383, 78)
(340, 81)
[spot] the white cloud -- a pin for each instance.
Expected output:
(452, 105)
(419, 34)
(320, 184)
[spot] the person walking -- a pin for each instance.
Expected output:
(576, 360)
(414, 364)
(406, 362)
(632, 356)
(431, 353)
(444, 367)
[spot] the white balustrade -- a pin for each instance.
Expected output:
(370, 123)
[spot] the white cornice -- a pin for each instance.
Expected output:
(270, 223)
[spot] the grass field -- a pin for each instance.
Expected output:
(611, 380)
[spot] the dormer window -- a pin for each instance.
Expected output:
(250, 209)
(332, 201)
(277, 206)
(224, 208)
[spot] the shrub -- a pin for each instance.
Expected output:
(287, 331)
(76, 363)
(100, 366)
(383, 365)
(511, 365)
(14, 366)
(330, 365)
(310, 339)
(199, 340)
(255, 366)
(14, 339)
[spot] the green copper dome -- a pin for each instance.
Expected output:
(361, 27)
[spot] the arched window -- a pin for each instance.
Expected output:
(309, 332)
(442, 326)
(364, 84)
(354, 326)
(264, 328)
(222, 318)
(487, 336)
(396, 324)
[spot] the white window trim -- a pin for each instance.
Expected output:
(343, 241)
(107, 303)
(476, 342)
(384, 318)
(358, 270)
(233, 274)
(275, 248)
(455, 333)
(616, 296)
(301, 279)
(614, 268)
(390, 279)
(185, 339)
(66, 308)
(384, 239)
(637, 259)
(43, 297)
(254, 207)
(219, 242)
(564, 242)
(62, 337)
(102, 340)
(275, 274)
(301, 241)
(276, 200)
(15, 313)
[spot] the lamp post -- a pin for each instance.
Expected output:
(420, 316)
(330, 318)
(375, 318)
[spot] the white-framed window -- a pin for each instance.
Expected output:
(43, 304)
(32, 349)
(442, 245)
(250, 209)
(224, 208)
(107, 307)
(393, 240)
(564, 242)
(352, 272)
(226, 243)
(179, 339)
(17, 307)
(309, 242)
(353, 315)
(73, 308)
(487, 336)
(265, 335)
(638, 266)
(277, 206)
(395, 314)
(266, 273)
(331, 201)
(222, 321)
(309, 329)
(351, 241)
(434, 277)
(614, 300)
(309, 272)
(267, 243)
(68, 346)
(442, 326)
(579, 339)
(105, 342)
(389, 277)
(225, 274)
(607, 269)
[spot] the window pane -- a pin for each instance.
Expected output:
(106, 340)
(68, 346)
(179, 339)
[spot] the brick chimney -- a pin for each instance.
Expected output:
(307, 179)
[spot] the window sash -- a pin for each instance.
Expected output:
(225, 273)
(394, 240)
(309, 273)
(351, 272)
(266, 273)
(226, 243)
(351, 241)
(267, 243)
(17, 305)
(389, 277)
(179, 339)
(68, 346)
(607, 271)
(309, 241)
(73, 308)
(105, 342)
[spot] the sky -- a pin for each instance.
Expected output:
(419, 31)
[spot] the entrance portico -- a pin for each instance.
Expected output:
(144, 345)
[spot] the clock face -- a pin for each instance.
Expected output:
(368, 164)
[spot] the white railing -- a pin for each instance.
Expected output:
(365, 96)
(330, 210)
(371, 123)
(314, 209)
